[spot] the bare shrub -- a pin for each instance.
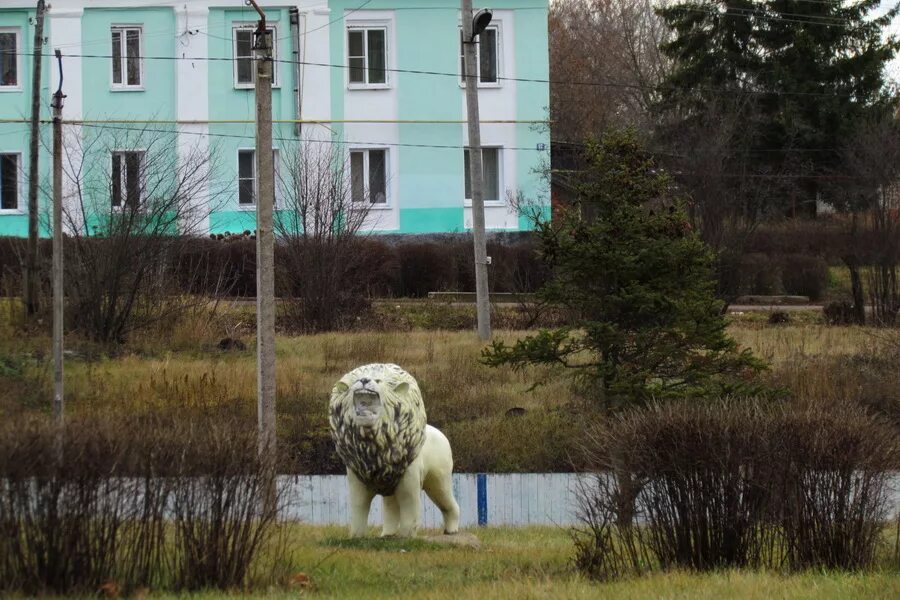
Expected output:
(720, 485)
(831, 496)
(867, 188)
(601, 552)
(68, 510)
(328, 264)
(136, 203)
(697, 471)
(220, 514)
(144, 502)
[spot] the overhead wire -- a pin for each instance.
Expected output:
(363, 144)
(586, 83)
(358, 143)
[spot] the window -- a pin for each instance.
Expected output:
(126, 179)
(367, 56)
(486, 56)
(126, 57)
(247, 176)
(490, 164)
(9, 58)
(244, 65)
(9, 181)
(368, 176)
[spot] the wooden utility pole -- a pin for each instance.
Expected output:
(31, 254)
(58, 403)
(476, 173)
(265, 242)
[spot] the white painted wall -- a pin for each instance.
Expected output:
(495, 104)
(192, 103)
(65, 35)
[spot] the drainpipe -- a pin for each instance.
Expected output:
(295, 51)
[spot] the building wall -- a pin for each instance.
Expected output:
(14, 137)
(425, 160)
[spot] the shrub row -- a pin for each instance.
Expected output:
(768, 274)
(826, 238)
(139, 503)
(407, 268)
(411, 269)
(724, 486)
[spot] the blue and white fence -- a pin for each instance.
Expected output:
(513, 499)
(510, 499)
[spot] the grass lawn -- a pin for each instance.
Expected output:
(520, 564)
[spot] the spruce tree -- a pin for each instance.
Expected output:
(638, 284)
(807, 74)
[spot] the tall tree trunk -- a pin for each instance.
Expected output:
(856, 288)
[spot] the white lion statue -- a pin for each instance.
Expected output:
(378, 424)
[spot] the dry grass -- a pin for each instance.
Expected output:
(178, 367)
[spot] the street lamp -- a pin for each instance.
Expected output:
(480, 22)
(471, 30)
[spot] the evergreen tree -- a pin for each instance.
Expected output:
(808, 73)
(638, 284)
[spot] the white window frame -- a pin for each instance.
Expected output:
(20, 208)
(384, 25)
(124, 85)
(276, 156)
(501, 190)
(498, 27)
(18, 33)
(122, 191)
(387, 181)
(251, 26)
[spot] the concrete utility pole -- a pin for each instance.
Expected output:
(265, 242)
(58, 403)
(476, 173)
(31, 255)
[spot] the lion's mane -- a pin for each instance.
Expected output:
(379, 455)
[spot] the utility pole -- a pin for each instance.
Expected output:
(58, 403)
(31, 255)
(265, 249)
(476, 171)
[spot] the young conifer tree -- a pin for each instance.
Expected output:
(638, 284)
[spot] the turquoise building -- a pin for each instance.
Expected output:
(378, 80)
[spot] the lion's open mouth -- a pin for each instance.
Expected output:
(367, 404)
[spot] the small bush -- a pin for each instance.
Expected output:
(839, 312)
(759, 274)
(142, 502)
(804, 275)
(329, 283)
(723, 485)
(779, 317)
(832, 493)
(423, 268)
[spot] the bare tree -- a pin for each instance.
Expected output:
(324, 214)
(136, 201)
(727, 189)
(867, 187)
(615, 44)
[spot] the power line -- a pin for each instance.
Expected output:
(99, 125)
(452, 147)
(361, 144)
(823, 20)
(459, 75)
